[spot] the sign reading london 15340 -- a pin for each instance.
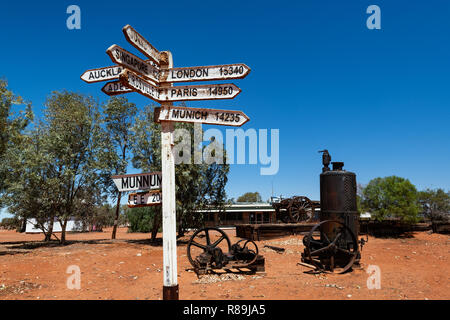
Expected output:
(141, 181)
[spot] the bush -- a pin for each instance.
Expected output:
(391, 197)
(140, 219)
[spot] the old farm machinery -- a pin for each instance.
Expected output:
(210, 249)
(332, 244)
(296, 209)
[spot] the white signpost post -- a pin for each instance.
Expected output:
(153, 78)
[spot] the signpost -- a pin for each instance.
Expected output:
(153, 78)
(139, 181)
(101, 74)
(203, 115)
(114, 88)
(144, 199)
(223, 72)
(140, 43)
(130, 61)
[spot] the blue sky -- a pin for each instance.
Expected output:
(376, 99)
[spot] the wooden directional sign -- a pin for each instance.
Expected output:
(136, 83)
(207, 116)
(140, 43)
(130, 61)
(223, 72)
(140, 181)
(114, 88)
(101, 74)
(144, 199)
(200, 92)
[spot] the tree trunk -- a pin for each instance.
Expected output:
(156, 223)
(63, 232)
(116, 220)
(48, 234)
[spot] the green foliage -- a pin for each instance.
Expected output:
(435, 203)
(391, 197)
(140, 219)
(250, 197)
(12, 126)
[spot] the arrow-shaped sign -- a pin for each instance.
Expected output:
(130, 61)
(133, 81)
(101, 74)
(114, 88)
(222, 72)
(140, 43)
(140, 181)
(202, 115)
(144, 199)
(201, 92)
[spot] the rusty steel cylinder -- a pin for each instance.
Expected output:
(338, 200)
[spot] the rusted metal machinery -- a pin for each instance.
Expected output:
(210, 249)
(295, 209)
(332, 244)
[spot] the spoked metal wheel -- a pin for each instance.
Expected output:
(331, 253)
(301, 209)
(207, 240)
(248, 252)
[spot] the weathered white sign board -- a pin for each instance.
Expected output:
(133, 81)
(140, 181)
(114, 88)
(101, 74)
(202, 115)
(144, 199)
(199, 92)
(140, 43)
(223, 72)
(130, 61)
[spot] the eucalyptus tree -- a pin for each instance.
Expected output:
(73, 142)
(119, 116)
(12, 125)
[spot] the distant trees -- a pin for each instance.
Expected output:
(250, 197)
(391, 197)
(435, 204)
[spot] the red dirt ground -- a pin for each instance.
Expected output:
(415, 267)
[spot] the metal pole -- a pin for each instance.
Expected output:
(170, 288)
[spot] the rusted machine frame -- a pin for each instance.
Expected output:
(256, 264)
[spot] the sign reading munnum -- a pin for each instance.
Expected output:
(141, 181)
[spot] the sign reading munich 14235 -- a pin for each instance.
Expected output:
(200, 115)
(140, 181)
(144, 199)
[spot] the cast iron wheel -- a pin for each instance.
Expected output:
(301, 209)
(319, 249)
(253, 251)
(207, 246)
